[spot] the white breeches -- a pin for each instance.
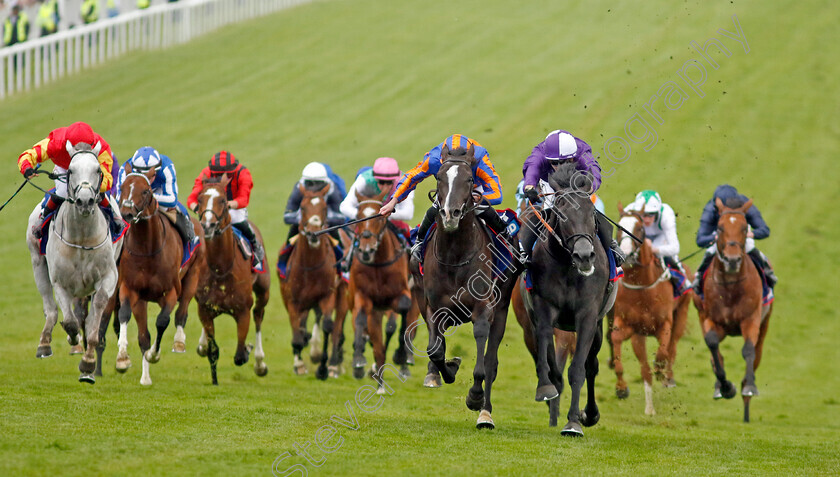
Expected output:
(238, 215)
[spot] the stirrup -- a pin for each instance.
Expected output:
(259, 251)
(618, 254)
(415, 250)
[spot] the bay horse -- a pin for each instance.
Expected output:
(79, 265)
(732, 302)
(570, 277)
(312, 283)
(645, 306)
(379, 284)
(151, 270)
(228, 284)
(458, 284)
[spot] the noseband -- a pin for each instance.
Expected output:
(147, 199)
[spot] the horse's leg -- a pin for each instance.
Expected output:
(610, 328)
(361, 309)
(620, 334)
(208, 333)
(491, 367)
(179, 342)
(639, 348)
(127, 300)
(261, 292)
(437, 347)
(481, 332)
(374, 326)
(390, 329)
(327, 330)
(337, 358)
(585, 325)
(750, 330)
(144, 339)
(680, 322)
(45, 289)
(98, 305)
(110, 308)
(243, 323)
(765, 322)
(80, 310)
(591, 415)
(316, 342)
(713, 335)
(167, 304)
(663, 336)
(544, 329)
(411, 318)
(296, 318)
(401, 353)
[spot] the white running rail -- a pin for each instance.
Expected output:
(30, 64)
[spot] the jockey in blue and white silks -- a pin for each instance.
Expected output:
(164, 187)
(660, 223)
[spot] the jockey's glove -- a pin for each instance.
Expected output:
(29, 172)
(532, 194)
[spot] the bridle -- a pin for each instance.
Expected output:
(72, 194)
(465, 209)
(739, 244)
(219, 219)
(137, 209)
(368, 234)
(633, 257)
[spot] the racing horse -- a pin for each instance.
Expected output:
(228, 285)
(732, 302)
(378, 284)
(151, 269)
(312, 283)
(80, 261)
(570, 278)
(458, 284)
(645, 306)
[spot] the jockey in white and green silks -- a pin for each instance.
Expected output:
(660, 224)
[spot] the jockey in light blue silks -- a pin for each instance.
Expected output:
(164, 186)
(660, 223)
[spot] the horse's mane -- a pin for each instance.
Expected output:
(568, 177)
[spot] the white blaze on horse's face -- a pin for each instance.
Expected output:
(368, 211)
(315, 221)
(628, 222)
(208, 211)
(450, 222)
(315, 201)
(83, 181)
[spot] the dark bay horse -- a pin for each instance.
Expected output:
(570, 277)
(150, 270)
(732, 302)
(458, 284)
(379, 285)
(645, 306)
(228, 284)
(312, 283)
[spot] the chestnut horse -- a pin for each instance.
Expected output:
(458, 284)
(228, 285)
(732, 303)
(312, 283)
(645, 306)
(379, 283)
(150, 270)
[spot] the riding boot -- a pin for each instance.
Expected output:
(248, 232)
(761, 259)
(604, 230)
(496, 224)
(697, 284)
(114, 226)
(681, 286)
(425, 225)
(184, 226)
(50, 205)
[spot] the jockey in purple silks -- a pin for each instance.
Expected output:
(558, 147)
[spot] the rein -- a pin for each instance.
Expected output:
(666, 275)
(77, 246)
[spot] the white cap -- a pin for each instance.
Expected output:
(315, 171)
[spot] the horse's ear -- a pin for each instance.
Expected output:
(128, 168)
(620, 208)
(68, 147)
(719, 204)
(444, 153)
(471, 152)
(359, 195)
(225, 180)
(746, 206)
(97, 148)
(381, 195)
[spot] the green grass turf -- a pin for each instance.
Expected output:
(346, 82)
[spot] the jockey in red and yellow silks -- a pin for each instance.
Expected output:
(55, 148)
(486, 180)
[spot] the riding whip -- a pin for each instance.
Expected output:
(345, 224)
(18, 190)
(637, 239)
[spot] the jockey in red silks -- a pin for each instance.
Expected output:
(238, 194)
(57, 148)
(484, 176)
(558, 147)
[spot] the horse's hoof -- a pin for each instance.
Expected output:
(148, 381)
(122, 365)
(728, 390)
(86, 367)
(669, 383)
(301, 370)
(484, 421)
(315, 357)
(179, 347)
(410, 359)
(77, 349)
(611, 363)
(358, 373)
(572, 429)
(73, 337)
(475, 402)
(546, 393)
(400, 356)
(404, 372)
(151, 357)
(588, 421)
(380, 391)
(452, 365)
(202, 351)
(44, 351)
(334, 371)
(87, 378)
(432, 381)
(622, 393)
(261, 369)
(321, 373)
(749, 390)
